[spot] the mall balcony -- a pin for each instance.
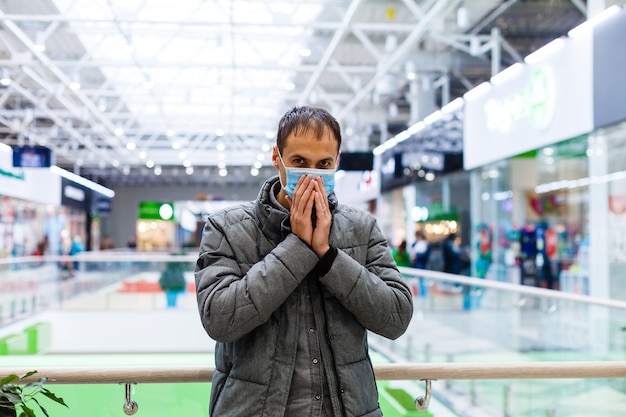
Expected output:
(100, 328)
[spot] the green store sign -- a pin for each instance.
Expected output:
(534, 103)
(156, 210)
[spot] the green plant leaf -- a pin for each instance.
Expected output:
(27, 374)
(26, 411)
(53, 397)
(13, 397)
(8, 379)
(45, 412)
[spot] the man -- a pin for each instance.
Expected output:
(289, 285)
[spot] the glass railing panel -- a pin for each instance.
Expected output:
(102, 280)
(454, 322)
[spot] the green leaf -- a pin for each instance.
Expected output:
(27, 374)
(37, 383)
(27, 411)
(8, 379)
(41, 408)
(14, 398)
(53, 397)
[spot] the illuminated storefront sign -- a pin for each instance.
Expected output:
(519, 113)
(534, 103)
(156, 210)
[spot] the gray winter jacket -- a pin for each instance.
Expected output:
(249, 268)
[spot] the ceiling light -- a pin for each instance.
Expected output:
(118, 131)
(102, 103)
(462, 17)
(220, 147)
(453, 106)
(305, 52)
(545, 51)
(5, 80)
(169, 133)
(40, 42)
(189, 170)
(175, 145)
(266, 147)
(477, 91)
(149, 164)
(409, 69)
(219, 132)
(587, 25)
(75, 82)
(158, 170)
(143, 155)
(186, 163)
(290, 86)
(223, 172)
(182, 155)
(254, 172)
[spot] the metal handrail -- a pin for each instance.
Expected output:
(385, 372)
(514, 288)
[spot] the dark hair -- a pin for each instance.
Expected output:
(300, 119)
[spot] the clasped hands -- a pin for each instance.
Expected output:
(310, 193)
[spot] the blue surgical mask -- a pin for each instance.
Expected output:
(292, 176)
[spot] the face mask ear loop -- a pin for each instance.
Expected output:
(285, 168)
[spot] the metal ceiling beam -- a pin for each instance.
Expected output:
(438, 10)
(330, 50)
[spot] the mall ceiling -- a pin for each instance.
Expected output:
(138, 92)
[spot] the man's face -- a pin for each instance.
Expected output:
(307, 151)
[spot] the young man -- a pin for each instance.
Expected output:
(289, 284)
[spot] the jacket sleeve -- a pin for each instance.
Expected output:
(233, 302)
(375, 293)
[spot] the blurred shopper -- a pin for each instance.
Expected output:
(132, 243)
(451, 253)
(420, 256)
(289, 285)
(107, 243)
(401, 255)
(76, 248)
(421, 251)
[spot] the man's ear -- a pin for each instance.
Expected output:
(275, 156)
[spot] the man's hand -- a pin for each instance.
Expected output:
(311, 193)
(319, 241)
(302, 208)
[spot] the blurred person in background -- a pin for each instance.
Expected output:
(421, 251)
(401, 255)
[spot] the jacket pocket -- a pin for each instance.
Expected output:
(236, 397)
